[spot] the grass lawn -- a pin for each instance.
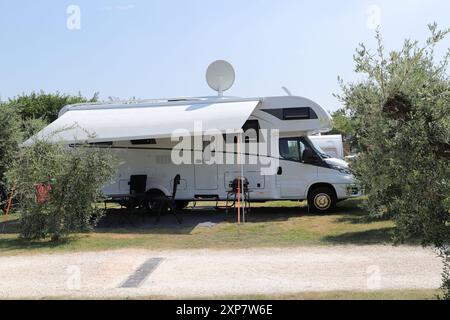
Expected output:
(271, 224)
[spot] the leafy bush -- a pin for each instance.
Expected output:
(75, 175)
(45, 105)
(401, 117)
(445, 255)
(32, 126)
(22, 117)
(10, 136)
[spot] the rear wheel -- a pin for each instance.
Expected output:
(322, 199)
(154, 201)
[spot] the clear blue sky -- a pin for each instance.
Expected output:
(150, 49)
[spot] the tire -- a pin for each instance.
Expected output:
(154, 200)
(322, 199)
(181, 204)
(132, 204)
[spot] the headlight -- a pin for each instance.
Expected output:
(353, 190)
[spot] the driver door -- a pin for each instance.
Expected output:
(294, 176)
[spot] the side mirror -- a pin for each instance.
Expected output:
(310, 156)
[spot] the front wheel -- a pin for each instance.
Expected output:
(322, 199)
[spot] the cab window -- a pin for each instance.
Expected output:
(290, 149)
(295, 149)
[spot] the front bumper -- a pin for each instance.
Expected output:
(348, 190)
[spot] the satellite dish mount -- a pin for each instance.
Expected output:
(220, 76)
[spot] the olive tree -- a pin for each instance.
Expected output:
(400, 113)
(10, 136)
(21, 117)
(73, 175)
(45, 105)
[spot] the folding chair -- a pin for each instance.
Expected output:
(169, 202)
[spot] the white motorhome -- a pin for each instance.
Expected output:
(140, 132)
(147, 135)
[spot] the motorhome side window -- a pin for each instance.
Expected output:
(143, 141)
(304, 113)
(290, 149)
(299, 114)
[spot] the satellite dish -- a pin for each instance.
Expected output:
(220, 76)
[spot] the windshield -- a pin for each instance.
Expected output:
(316, 148)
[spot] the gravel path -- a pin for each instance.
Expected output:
(206, 273)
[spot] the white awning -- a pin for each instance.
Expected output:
(128, 122)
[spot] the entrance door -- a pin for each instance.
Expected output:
(294, 176)
(206, 175)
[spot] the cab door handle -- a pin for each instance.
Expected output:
(280, 171)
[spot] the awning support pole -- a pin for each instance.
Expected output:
(241, 137)
(239, 185)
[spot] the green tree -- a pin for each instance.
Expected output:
(401, 116)
(45, 105)
(75, 175)
(23, 116)
(342, 124)
(10, 136)
(30, 127)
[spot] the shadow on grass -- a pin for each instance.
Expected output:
(353, 213)
(9, 227)
(123, 221)
(135, 220)
(142, 222)
(273, 214)
(357, 216)
(21, 244)
(374, 236)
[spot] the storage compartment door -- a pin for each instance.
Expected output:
(206, 176)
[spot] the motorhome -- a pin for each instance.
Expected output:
(159, 139)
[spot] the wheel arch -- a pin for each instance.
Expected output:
(158, 189)
(321, 185)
